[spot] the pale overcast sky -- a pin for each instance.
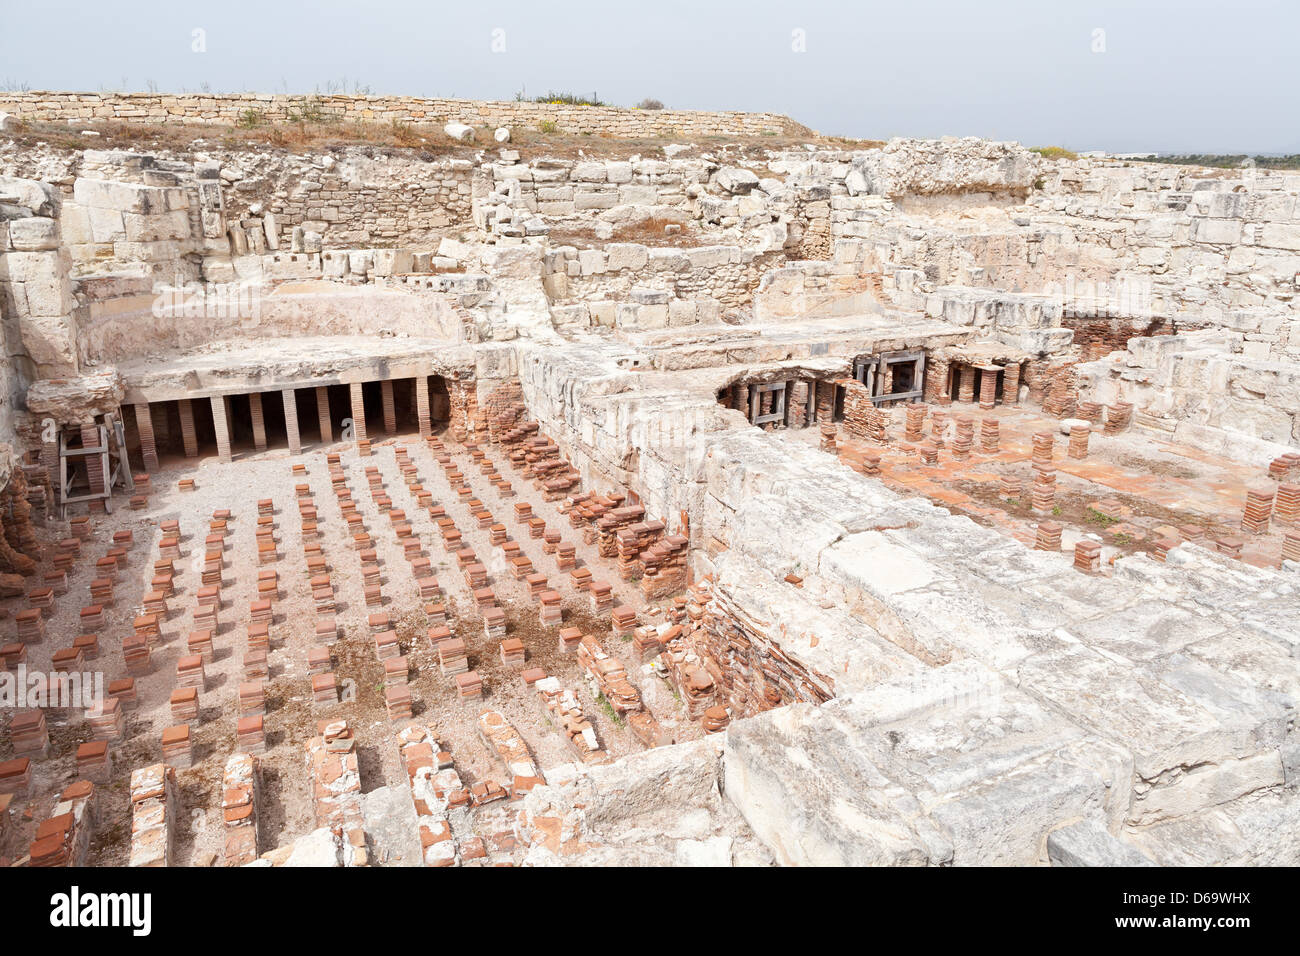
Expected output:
(1174, 75)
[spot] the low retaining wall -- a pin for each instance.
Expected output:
(615, 121)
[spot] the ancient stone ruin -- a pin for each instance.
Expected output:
(746, 498)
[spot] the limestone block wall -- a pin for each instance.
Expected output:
(687, 285)
(130, 328)
(513, 198)
(227, 108)
(39, 311)
(1210, 242)
(123, 208)
(353, 200)
(1198, 388)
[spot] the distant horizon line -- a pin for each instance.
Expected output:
(366, 92)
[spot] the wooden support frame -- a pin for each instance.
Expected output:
(114, 465)
(777, 414)
(871, 373)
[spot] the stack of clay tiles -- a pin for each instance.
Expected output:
(715, 719)
(250, 734)
(1161, 547)
(915, 413)
(611, 522)
(63, 838)
(469, 686)
(623, 620)
(397, 700)
(631, 541)
(964, 439)
(1043, 493)
(1286, 505)
(1048, 537)
(1118, 417)
(1087, 556)
(828, 432)
(989, 436)
(28, 734)
(550, 613)
(664, 567)
(1259, 509)
(16, 775)
(94, 762)
(1285, 467)
(1090, 412)
(1078, 445)
(177, 748)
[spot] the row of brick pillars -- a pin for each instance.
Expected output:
(220, 419)
(987, 379)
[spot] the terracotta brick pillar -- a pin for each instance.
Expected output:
(358, 412)
(422, 405)
(966, 388)
(222, 425)
(1078, 446)
(1011, 384)
(323, 414)
(936, 381)
(390, 410)
(797, 403)
(825, 401)
(259, 421)
(144, 425)
(187, 428)
(988, 387)
(290, 398)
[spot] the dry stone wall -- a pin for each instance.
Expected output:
(229, 108)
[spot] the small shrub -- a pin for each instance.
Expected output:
(1054, 152)
(250, 119)
(650, 103)
(404, 133)
(1096, 517)
(547, 126)
(307, 110)
(609, 710)
(565, 99)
